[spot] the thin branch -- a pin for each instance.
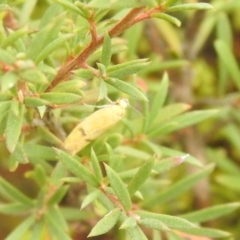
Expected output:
(66, 70)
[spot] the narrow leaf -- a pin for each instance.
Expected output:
(10, 192)
(58, 195)
(45, 36)
(106, 223)
(77, 168)
(90, 198)
(14, 125)
(19, 231)
(106, 50)
(14, 208)
(182, 121)
(159, 99)
(125, 69)
(208, 232)
(96, 166)
(19, 154)
(211, 213)
(230, 63)
(169, 163)
(190, 6)
(171, 222)
(70, 6)
(119, 188)
(141, 176)
(72, 86)
(179, 187)
(102, 90)
(35, 102)
(14, 36)
(54, 228)
(136, 233)
(126, 88)
(129, 222)
(55, 44)
(167, 18)
(154, 224)
(61, 98)
(36, 151)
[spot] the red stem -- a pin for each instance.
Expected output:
(130, 19)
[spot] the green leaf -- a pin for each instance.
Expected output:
(116, 4)
(14, 36)
(3, 122)
(4, 7)
(154, 224)
(38, 174)
(190, 6)
(129, 222)
(136, 233)
(14, 125)
(126, 88)
(58, 195)
(34, 76)
(72, 86)
(119, 188)
(19, 231)
(160, 150)
(229, 181)
(6, 56)
(167, 18)
(45, 36)
(114, 159)
(55, 44)
(127, 68)
(159, 98)
(106, 50)
(182, 121)
(208, 232)
(230, 63)
(19, 154)
(168, 112)
(171, 222)
(225, 163)
(133, 152)
(77, 168)
(90, 198)
(141, 176)
(36, 152)
(106, 223)
(14, 208)
(70, 6)
(10, 192)
(205, 30)
(178, 188)
(61, 98)
(48, 136)
(211, 213)
(84, 8)
(38, 230)
(96, 166)
(55, 228)
(102, 90)
(59, 172)
(35, 102)
(169, 163)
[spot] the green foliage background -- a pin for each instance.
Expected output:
(169, 169)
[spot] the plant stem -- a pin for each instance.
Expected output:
(66, 70)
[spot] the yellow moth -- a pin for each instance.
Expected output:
(95, 125)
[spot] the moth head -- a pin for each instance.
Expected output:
(123, 102)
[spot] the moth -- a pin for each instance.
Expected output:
(95, 125)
